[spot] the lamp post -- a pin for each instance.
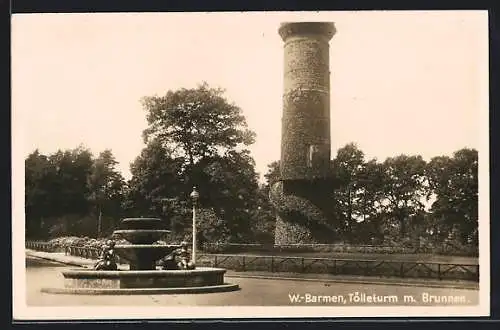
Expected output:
(194, 196)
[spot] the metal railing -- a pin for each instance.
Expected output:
(77, 251)
(83, 252)
(312, 265)
(342, 266)
(40, 246)
(445, 248)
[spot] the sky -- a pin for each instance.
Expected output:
(401, 82)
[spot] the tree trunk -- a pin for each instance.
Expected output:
(99, 223)
(349, 213)
(349, 205)
(402, 219)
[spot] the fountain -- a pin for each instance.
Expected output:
(142, 233)
(143, 277)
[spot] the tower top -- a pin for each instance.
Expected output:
(288, 29)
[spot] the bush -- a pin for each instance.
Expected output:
(62, 243)
(449, 248)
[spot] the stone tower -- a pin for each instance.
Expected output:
(305, 134)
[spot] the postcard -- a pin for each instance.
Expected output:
(250, 165)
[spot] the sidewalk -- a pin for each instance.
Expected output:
(60, 257)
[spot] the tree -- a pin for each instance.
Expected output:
(454, 181)
(348, 165)
(404, 189)
(156, 175)
(37, 194)
(264, 217)
(231, 188)
(57, 193)
(273, 173)
(195, 137)
(196, 123)
(72, 169)
(107, 186)
(370, 182)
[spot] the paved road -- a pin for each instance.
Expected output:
(254, 292)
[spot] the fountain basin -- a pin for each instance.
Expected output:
(141, 236)
(143, 256)
(87, 281)
(142, 223)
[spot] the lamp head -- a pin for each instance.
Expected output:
(194, 194)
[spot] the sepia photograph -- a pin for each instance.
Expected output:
(250, 165)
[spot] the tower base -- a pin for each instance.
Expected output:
(302, 216)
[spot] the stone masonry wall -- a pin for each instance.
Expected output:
(305, 135)
(305, 144)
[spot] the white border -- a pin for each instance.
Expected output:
(23, 312)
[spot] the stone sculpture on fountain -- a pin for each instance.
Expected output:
(170, 262)
(107, 259)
